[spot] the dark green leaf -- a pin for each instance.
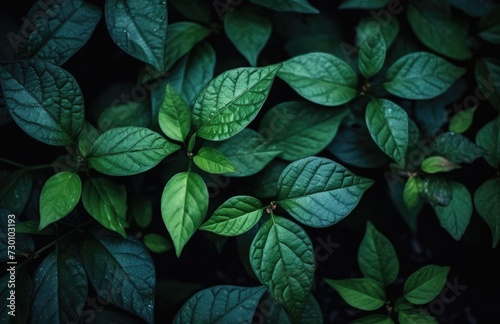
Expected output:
(157, 243)
(121, 271)
(388, 126)
(87, 137)
(474, 8)
(377, 258)
(24, 243)
(141, 209)
(221, 304)
(457, 148)
(267, 181)
(140, 29)
(372, 50)
(374, 319)
(107, 203)
(319, 192)
(435, 164)
(396, 193)
(461, 121)
(362, 293)
(129, 150)
(301, 6)
(282, 258)
(487, 201)
(409, 314)
(131, 113)
(235, 216)
(455, 216)
(59, 197)
(488, 138)
(362, 4)
(184, 203)
(31, 227)
(489, 26)
(175, 116)
(60, 289)
(248, 32)
(44, 100)
(389, 29)
(437, 191)
(197, 10)
(425, 284)
(411, 192)
(231, 101)
(312, 312)
(487, 74)
(15, 191)
(321, 78)
(421, 75)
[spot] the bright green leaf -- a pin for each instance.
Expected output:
(487, 202)
(455, 216)
(301, 6)
(489, 26)
(362, 293)
(425, 284)
(488, 138)
(175, 116)
(211, 160)
(461, 121)
(372, 50)
(321, 78)
(487, 72)
(15, 191)
(411, 192)
(457, 148)
(59, 196)
(319, 192)
(363, 4)
(435, 164)
(157, 243)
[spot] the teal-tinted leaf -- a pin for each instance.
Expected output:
(489, 26)
(396, 193)
(248, 151)
(411, 192)
(129, 150)
(312, 313)
(231, 101)
(141, 209)
(24, 243)
(175, 116)
(121, 271)
(139, 28)
(374, 319)
(487, 72)
(65, 29)
(372, 50)
(301, 6)
(409, 314)
(487, 202)
(488, 138)
(362, 293)
(421, 75)
(455, 216)
(439, 32)
(319, 192)
(282, 258)
(267, 181)
(457, 148)
(221, 304)
(157, 243)
(435, 164)
(377, 258)
(437, 191)
(362, 4)
(131, 113)
(31, 227)
(106, 202)
(389, 29)
(87, 137)
(461, 121)
(300, 129)
(473, 8)
(235, 216)
(388, 126)
(15, 191)
(44, 100)
(425, 284)
(59, 196)
(211, 160)
(321, 78)
(248, 32)
(23, 290)
(197, 10)
(60, 289)
(184, 203)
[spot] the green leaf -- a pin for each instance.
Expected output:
(235, 216)
(23, 292)
(487, 72)
(197, 10)
(425, 284)
(140, 29)
(461, 121)
(31, 227)
(60, 289)
(44, 100)
(488, 137)
(181, 38)
(396, 194)
(409, 314)
(282, 258)
(87, 137)
(131, 113)
(363, 293)
(421, 75)
(435, 164)
(301, 6)
(372, 50)
(439, 32)
(231, 101)
(59, 196)
(267, 180)
(211, 160)
(389, 29)
(363, 4)
(248, 151)
(157, 243)
(107, 203)
(300, 129)
(248, 32)
(121, 271)
(473, 8)
(24, 243)
(455, 216)
(15, 191)
(487, 201)
(184, 203)
(141, 209)
(374, 319)
(221, 304)
(377, 258)
(175, 116)
(312, 313)
(321, 78)
(388, 126)
(436, 191)
(457, 148)
(129, 150)
(65, 29)
(489, 26)
(319, 192)
(411, 192)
